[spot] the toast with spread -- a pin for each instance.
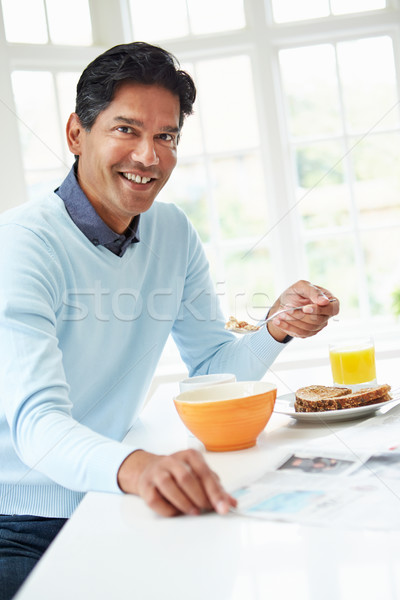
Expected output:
(317, 398)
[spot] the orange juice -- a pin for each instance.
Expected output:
(353, 364)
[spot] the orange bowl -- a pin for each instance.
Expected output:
(227, 416)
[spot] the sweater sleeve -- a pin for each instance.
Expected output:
(33, 387)
(204, 344)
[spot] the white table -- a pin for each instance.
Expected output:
(115, 547)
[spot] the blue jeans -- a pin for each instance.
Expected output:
(23, 540)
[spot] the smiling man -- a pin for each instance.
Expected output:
(95, 277)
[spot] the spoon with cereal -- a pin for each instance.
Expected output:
(243, 327)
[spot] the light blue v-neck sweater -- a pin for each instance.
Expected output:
(81, 332)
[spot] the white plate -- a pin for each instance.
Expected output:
(285, 405)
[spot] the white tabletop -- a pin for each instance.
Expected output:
(115, 547)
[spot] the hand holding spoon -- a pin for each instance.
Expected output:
(243, 327)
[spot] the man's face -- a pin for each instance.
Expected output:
(130, 152)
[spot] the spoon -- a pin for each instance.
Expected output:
(243, 327)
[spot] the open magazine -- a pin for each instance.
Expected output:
(350, 478)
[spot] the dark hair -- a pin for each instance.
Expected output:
(137, 62)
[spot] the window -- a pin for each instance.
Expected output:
(343, 121)
(181, 18)
(43, 21)
(46, 158)
(289, 11)
(289, 167)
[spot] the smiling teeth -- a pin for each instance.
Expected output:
(136, 178)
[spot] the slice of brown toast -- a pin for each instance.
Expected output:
(317, 392)
(318, 397)
(321, 398)
(351, 404)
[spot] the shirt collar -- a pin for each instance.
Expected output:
(89, 221)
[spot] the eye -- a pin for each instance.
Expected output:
(166, 137)
(125, 129)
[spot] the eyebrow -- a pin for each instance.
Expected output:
(137, 123)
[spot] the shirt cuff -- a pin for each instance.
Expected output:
(105, 466)
(266, 347)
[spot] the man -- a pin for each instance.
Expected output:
(94, 279)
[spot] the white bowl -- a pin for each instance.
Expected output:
(199, 381)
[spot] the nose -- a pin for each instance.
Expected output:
(145, 152)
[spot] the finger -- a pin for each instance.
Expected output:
(188, 481)
(311, 321)
(309, 291)
(316, 311)
(220, 500)
(319, 294)
(334, 306)
(178, 484)
(313, 311)
(178, 496)
(307, 321)
(301, 328)
(217, 477)
(159, 488)
(157, 502)
(328, 310)
(303, 289)
(309, 315)
(323, 297)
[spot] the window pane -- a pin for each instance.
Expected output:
(376, 161)
(66, 89)
(250, 286)
(381, 254)
(31, 29)
(208, 16)
(285, 11)
(39, 129)
(323, 194)
(188, 189)
(69, 22)
(226, 101)
(43, 182)
(191, 140)
(158, 20)
(341, 7)
(240, 196)
(310, 83)
(369, 83)
(332, 264)
(66, 92)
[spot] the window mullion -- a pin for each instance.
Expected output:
(65, 155)
(314, 31)
(11, 165)
(396, 51)
(47, 21)
(188, 19)
(363, 296)
(213, 217)
(110, 22)
(281, 232)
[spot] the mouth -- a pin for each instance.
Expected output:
(136, 178)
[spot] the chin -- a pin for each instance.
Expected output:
(140, 207)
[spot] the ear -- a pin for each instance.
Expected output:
(74, 132)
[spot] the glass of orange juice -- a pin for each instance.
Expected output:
(353, 363)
